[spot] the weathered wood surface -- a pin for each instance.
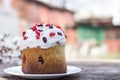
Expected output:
(90, 71)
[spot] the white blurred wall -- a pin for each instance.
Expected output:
(8, 19)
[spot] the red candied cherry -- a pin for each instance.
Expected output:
(37, 37)
(48, 25)
(23, 33)
(24, 59)
(37, 33)
(58, 27)
(34, 28)
(25, 37)
(65, 36)
(52, 34)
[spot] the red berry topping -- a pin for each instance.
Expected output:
(24, 59)
(58, 27)
(52, 34)
(65, 36)
(25, 37)
(34, 28)
(37, 33)
(23, 33)
(37, 37)
(47, 25)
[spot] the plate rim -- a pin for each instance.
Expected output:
(40, 75)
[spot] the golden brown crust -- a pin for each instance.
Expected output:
(53, 60)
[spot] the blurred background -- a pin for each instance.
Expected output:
(92, 26)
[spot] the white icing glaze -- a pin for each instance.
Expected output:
(32, 41)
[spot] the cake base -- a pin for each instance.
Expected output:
(44, 61)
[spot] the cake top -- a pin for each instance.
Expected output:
(44, 36)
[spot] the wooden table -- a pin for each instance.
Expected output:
(90, 71)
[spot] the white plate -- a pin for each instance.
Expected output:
(18, 72)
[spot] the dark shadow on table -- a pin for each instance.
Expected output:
(72, 77)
